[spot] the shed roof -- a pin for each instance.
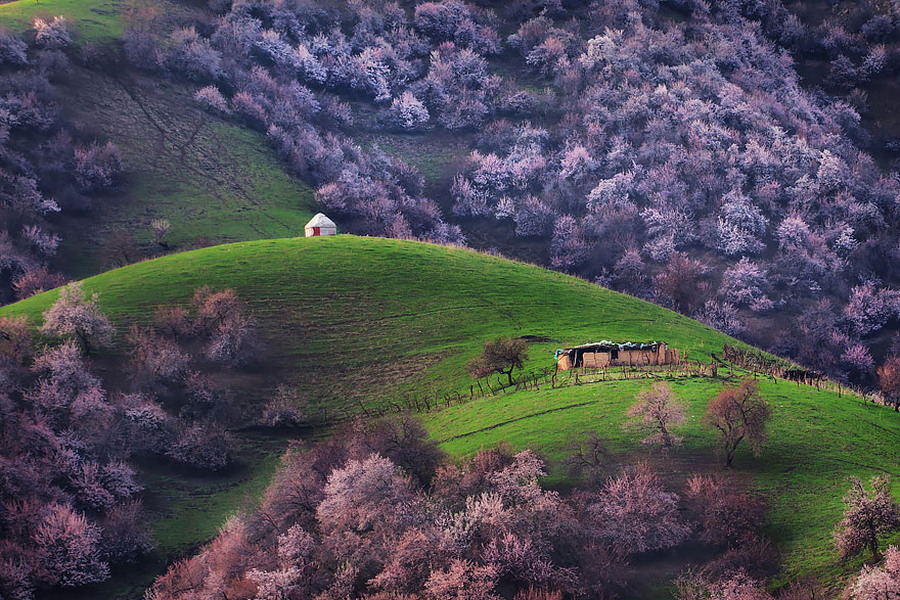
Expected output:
(321, 220)
(606, 345)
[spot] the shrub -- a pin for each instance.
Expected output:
(12, 50)
(203, 446)
(193, 56)
(634, 514)
(35, 281)
(408, 113)
(68, 548)
(285, 409)
(97, 166)
(155, 360)
(76, 316)
(53, 34)
(889, 381)
(125, 539)
(234, 341)
(212, 99)
(727, 515)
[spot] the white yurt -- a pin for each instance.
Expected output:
(320, 225)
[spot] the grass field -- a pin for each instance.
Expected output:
(817, 440)
(214, 181)
(360, 321)
(353, 320)
(93, 21)
(349, 319)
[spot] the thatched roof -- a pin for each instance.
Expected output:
(321, 220)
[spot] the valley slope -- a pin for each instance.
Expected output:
(355, 323)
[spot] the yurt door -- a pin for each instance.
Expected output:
(317, 231)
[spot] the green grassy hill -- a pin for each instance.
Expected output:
(93, 21)
(351, 319)
(358, 322)
(817, 440)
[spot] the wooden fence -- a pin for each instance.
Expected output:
(723, 368)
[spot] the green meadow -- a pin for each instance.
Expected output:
(93, 21)
(817, 440)
(357, 323)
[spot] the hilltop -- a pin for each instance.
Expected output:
(542, 150)
(357, 322)
(353, 318)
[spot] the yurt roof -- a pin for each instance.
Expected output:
(321, 220)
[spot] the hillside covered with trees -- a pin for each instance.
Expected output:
(144, 373)
(669, 151)
(383, 419)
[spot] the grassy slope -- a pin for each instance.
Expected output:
(352, 320)
(362, 320)
(211, 179)
(817, 440)
(214, 181)
(93, 20)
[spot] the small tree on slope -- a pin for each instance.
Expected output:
(738, 414)
(869, 515)
(74, 315)
(889, 381)
(878, 583)
(656, 411)
(500, 356)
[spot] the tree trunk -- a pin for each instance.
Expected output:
(873, 544)
(83, 339)
(729, 455)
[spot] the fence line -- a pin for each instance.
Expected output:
(551, 377)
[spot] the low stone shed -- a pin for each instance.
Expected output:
(598, 355)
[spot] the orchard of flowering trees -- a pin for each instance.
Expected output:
(68, 496)
(679, 160)
(70, 499)
(377, 512)
(48, 169)
(695, 141)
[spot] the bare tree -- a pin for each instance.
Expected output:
(160, 228)
(738, 414)
(500, 356)
(589, 455)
